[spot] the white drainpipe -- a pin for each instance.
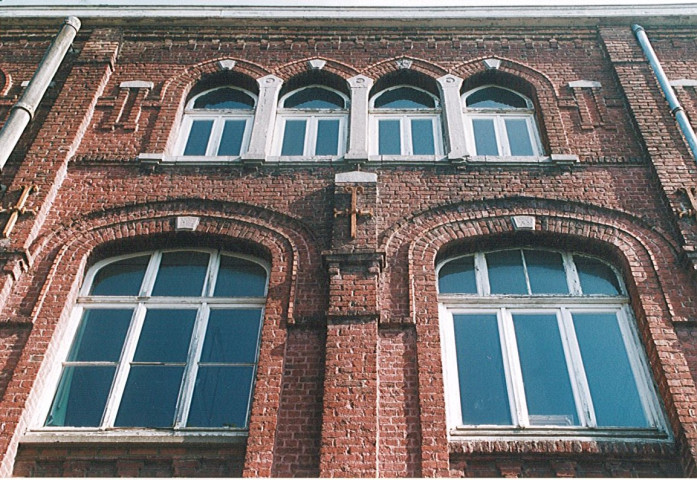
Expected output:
(23, 111)
(675, 107)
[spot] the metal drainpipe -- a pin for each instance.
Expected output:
(23, 111)
(675, 107)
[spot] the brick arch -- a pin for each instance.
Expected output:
(388, 66)
(531, 82)
(298, 67)
(175, 91)
(648, 258)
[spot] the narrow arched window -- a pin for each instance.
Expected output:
(217, 123)
(501, 122)
(543, 341)
(167, 339)
(407, 123)
(312, 123)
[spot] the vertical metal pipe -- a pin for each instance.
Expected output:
(675, 107)
(23, 111)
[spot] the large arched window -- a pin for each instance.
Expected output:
(312, 123)
(217, 123)
(406, 122)
(167, 339)
(500, 122)
(542, 342)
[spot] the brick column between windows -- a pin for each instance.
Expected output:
(350, 411)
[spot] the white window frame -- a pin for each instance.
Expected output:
(563, 306)
(499, 117)
(218, 117)
(405, 116)
(140, 304)
(312, 118)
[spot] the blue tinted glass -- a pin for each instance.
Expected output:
(225, 98)
(596, 277)
(610, 378)
(494, 97)
(548, 392)
(404, 97)
(485, 137)
(221, 397)
(518, 137)
(81, 397)
(181, 274)
(232, 336)
(327, 137)
(294, 138)
(120, 278)
(483, 391)
(422, 141)
(458, 276)
(231, 140)
(199, 134)
(546, 272)
(165, 336)
(150, 396)
(389, 137)
(239, 278)
(100, 336)
(506, 274)
(315, 98)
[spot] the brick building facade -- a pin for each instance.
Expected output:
(443, 242)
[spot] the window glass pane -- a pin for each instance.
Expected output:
(610, 379)
(458, 276)
(422, 141)
(548, 390)
(546, 272)
(506, 274)
(232, 336)
(404, 97)
(120, 278)
(231, 140)
(389, 137)
(100, 335)
(221, 397)
(485, 137)
(596, 277)
(518, 137)
(294, 138)
(239, 278)
(494, 97)
(165, 336)
(198, 137)
(315, 98)
(81, 397)
(181, 274)
(225, 98)
(483, 392)
(150, 396)
(327, 137)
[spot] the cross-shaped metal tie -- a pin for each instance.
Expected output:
(17, 210)
(354, 212)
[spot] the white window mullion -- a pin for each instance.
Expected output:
(525, 272)
(212, 274)
(450, 376)
(150, 274)
(123, 369)
(214, 138)
(579, 383)
(571, 274)
(482, 274)
(502, 135)
(514, 374)
(310, 136)
(405, 135)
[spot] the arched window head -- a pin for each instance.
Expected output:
(217, 123)
(501, 123)
(312, 123)
(165, 339)
(407, 122)
(544, 341)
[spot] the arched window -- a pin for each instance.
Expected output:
(407, 122)
(542, 341)
(217, 123)
(167, 339)
(501, 122)
(312, 123)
